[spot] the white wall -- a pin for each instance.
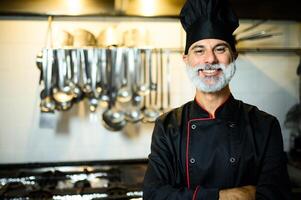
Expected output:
(266, 80)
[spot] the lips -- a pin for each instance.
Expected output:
(209, 72)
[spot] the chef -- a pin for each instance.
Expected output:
(215, 147)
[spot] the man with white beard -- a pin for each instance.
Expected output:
(215, 147)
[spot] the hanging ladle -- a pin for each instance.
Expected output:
(62, 94)
(77, 92)
(99, 73)
(125, 92)
(86, 81)
(114, 119)
(136, 98)
(168, 72)
(47, 104)
(161, 82)
(142, 86)
(133, 114)
(93, 61)
(151, 112)
(72, 74)
(104, 97)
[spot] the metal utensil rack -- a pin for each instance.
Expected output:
(126, 84)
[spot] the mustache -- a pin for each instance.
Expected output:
(202, 67)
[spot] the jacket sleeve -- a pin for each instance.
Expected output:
(162, 179)
(273, 182)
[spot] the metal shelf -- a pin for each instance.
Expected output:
(270, 50)
(296, 51)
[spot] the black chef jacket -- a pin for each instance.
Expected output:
(194, 155)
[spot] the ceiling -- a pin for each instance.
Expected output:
(245, 9)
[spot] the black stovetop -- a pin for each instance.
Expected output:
(118, 179)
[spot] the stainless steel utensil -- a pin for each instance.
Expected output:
(137, 98)
(86, 81)
(104, 66)
(93, 61)
(258, 35)
(158, 64)
(133, 114)
(47, 104)
(77, 92)
(99, 72)
(151, 112)
(142, 86)
(258, 23)
(62, 94)
(114, 119)
(168, 72)
(125, 92)
(161, 82)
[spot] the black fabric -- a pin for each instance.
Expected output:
(241, 146)
(203, 19)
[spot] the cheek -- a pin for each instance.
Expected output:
(194, 60)
(225, 59)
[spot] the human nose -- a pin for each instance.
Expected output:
(210, 57)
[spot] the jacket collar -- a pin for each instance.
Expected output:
(228, 110)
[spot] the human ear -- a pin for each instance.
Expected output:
(235, 55)
(185, 58)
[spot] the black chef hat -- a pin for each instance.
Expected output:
(203, 19)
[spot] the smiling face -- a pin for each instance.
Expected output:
(210, 64)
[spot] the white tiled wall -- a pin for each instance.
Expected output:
(266, 80)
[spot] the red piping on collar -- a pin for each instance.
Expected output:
(195, 194)
(212, 116)
(187, 147)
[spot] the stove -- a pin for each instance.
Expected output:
(92, 180)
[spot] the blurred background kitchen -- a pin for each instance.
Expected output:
(268, 41)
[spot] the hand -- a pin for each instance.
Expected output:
(238, 193)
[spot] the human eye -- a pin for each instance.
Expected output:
(221, 49)
(199, 50)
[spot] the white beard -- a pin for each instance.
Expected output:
(219, 82)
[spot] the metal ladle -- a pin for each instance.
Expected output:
(142, 87)
(104, 97)
(125, 92)
(137, 98)
(62, 94)
(77, 92)
(93, 61)
(99, 73)
(168, 68)
(114, 119)
(86, 84)
(47, 104)
(150, 113)
(71, 77)
(133, 114)
(139, 89)
(161, 83)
